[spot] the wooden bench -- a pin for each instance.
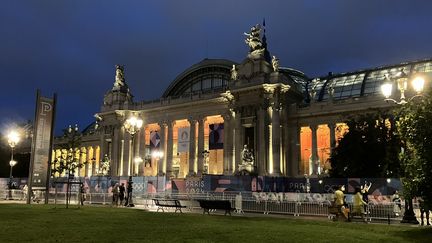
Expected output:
(207, 205)
(168, 203)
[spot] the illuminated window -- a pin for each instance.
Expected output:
(305, 149)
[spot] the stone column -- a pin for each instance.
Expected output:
(169, 156)
(228, 142)
(141, 150)
(115, 153)
(93, 162)
(276, 136)
(102, 143)
(332, 128)
(86, 167)
(238, 142)
(285, 142)
(262, 140)
(162, 147)
(314, 163)
(192, 147)
(201, 122)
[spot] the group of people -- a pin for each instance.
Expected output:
(120, 194)
(360, 202)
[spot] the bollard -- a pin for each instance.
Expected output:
(388, 219)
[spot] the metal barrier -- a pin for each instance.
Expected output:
(246, 201)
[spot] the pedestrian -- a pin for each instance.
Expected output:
(397, 208)
(339, 201)
(122, 193)
(115, 192)
(424, 209)
(358, 204)
(365, 193)
(25, 192)
(129, 202)
(83, 195)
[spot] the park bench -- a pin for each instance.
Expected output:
(168, 203)
(208, 205)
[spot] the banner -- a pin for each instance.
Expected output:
(42, 142)
(183, 140)
(216, 136)
(154, 140)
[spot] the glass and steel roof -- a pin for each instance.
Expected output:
(207, 76)
(363, 82)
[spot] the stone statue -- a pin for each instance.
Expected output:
(234, 74)
(247, 164)
(313, 88)
(331, 90)
(275, 64)
(253, 40)
(119, 78)
(247, 156)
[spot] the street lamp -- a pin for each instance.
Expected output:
(13, 139)
(401, 80)
(132, 125)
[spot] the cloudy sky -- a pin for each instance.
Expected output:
(70, 47)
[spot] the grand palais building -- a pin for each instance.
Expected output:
(215, 110)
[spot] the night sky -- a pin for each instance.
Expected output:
(71, 47)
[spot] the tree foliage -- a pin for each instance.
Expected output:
(69, 159)
(414, 121)
(369, 149)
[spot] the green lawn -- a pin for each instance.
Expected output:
(44, 223)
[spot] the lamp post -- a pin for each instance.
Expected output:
(132, 125)
(402, 79)
(13, 139)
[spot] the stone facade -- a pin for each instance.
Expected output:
(289, 122)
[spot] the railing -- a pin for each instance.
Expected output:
(243, 202)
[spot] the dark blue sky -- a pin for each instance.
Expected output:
(71, 47)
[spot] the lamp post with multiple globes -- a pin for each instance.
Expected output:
(402, 79)
(132, 125)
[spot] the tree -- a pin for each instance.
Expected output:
(369, 149)
(69, 160)
(414, 121)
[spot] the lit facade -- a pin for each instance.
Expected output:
(289, 122)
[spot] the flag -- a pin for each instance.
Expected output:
(183, 139)
(154, 140)
(216, 136)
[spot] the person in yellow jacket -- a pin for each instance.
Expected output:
(339, 197)
(358, 204)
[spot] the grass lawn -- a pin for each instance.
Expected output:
(44, 223)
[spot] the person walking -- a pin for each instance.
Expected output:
(365, 193)
(424, 210)
(25, 192)
(122, 193)
(339, 200)
(83, 195)
(397, 203)
(115, 192)
(358, 204)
